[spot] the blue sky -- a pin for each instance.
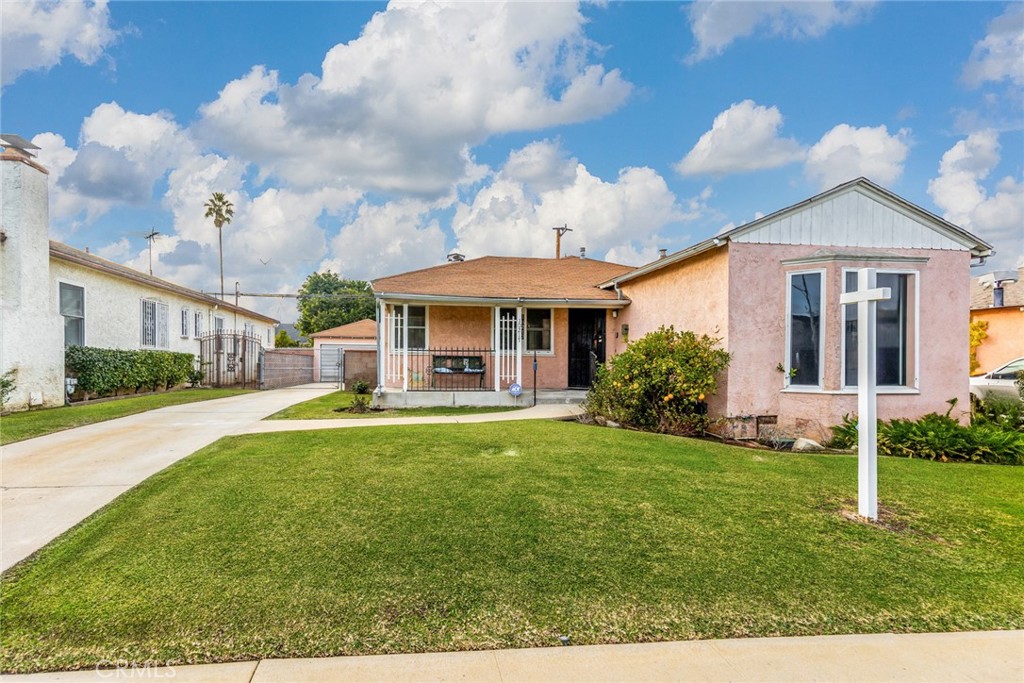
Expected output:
(370, 139)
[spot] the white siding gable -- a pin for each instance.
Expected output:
(855, 218)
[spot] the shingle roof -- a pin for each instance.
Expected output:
(65, 253)
(505, 277)
(360, 329)
(1013, 292)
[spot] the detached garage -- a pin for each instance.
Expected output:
(346, 353)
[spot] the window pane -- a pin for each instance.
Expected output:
(149, 323)
(417, 338)
(74, 331)
(417, 316)
(891, 323)
(538, 329)
(804, 328)
(72, 300)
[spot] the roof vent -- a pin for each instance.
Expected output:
(456, 257)
(583, 252)
(662, 253)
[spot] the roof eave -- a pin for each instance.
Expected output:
(498, 301)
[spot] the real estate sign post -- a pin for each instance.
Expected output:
(866, 297)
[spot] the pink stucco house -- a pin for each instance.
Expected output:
(768, 289)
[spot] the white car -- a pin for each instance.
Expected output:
(1000, 383)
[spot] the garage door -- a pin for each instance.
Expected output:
(331, 359)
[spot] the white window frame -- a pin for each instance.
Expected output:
(197, 324)
(526, 332)
(160, 324)
(398, 327)
(787, 385)
(218, 323)
(885, 388)
(186, 322)
(85, 303)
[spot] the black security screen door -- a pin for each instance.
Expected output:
(586, 346)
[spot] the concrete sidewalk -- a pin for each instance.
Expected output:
(559, 411)
(987, 656)
(53, 482)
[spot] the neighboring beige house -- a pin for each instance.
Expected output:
(769, 290)
(1005, 317)
(346, 353)
(54, 296)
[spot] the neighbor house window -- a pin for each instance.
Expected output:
(417, 327)
(154, 324)
(218, 323)
(538, 329)
(72, 307)
(184, 322)
(805, 325)
(197, 328)
(894, 331)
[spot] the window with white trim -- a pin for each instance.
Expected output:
(218, 323)
(72, 307)
(895, 340)
(154, 324)
(804, 328)
(538, 330)
(417, 327)
(197, 327)
(185, 322)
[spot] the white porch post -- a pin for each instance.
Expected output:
(519, 345)
(866, 298)
(497, 348)
(381, 344)
(405, 347)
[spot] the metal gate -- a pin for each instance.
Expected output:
(332, 360)
(231, 358)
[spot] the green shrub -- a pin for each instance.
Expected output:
(360, 387)
(660, 382)
(104, 372)
(360, 404)
(1004, 413)
(939, 437)
(7, 385)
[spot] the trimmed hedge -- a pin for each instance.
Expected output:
(105, 372)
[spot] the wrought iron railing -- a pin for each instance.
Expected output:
(442, 369)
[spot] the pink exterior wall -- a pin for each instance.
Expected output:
(1005, 340)
(757, 329)
(692, 295)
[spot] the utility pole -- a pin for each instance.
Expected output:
(559, 231)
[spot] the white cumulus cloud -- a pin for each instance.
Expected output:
(959, 191)
(38, 35)
(999, 55)
(716, 24)
(847, 152)
(744, 137)
(398, 108)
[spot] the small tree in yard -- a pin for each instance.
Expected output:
(326, 301)
(660, 382)
(283, 341)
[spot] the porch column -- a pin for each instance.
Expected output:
(519, 345)
(381, 346)
(405, 347)
(497, 348)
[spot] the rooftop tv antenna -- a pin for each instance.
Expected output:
(559, 231)
(149, 237)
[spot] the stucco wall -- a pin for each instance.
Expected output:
(757, 329)
(1005, 340)
(113, 316)
(691, 295)
(287, 367)
(31, 331)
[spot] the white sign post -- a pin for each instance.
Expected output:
(866, 297)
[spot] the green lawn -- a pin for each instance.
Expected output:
(455, 537)
(25, 425)
(323, 408)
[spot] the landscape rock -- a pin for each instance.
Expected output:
(807, 445)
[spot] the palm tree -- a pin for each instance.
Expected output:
(220, 209)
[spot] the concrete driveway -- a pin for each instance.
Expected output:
(51, 483)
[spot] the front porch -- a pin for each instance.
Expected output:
(396, 398)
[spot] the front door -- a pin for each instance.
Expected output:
(586, 346)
